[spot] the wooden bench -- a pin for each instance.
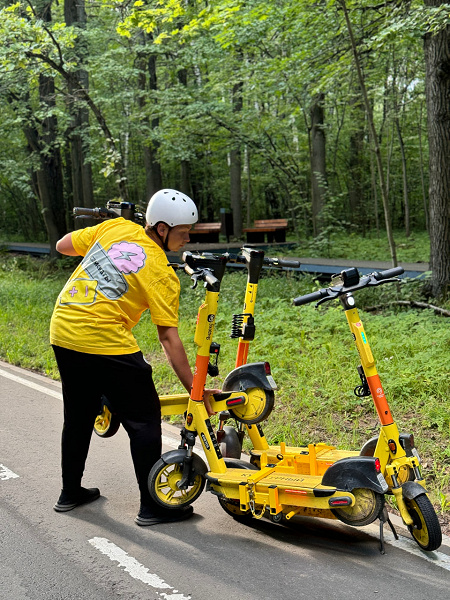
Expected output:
(274, 228)
(205, 232)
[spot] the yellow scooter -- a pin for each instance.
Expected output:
(399, 459)
(351, 489)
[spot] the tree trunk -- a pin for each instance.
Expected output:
(422, 175)
(404, 177)
(49, 176)
(437, 62)
(236, 169)
(402, 152)
(356, 169)
(185, 177)
(318, 162)
(153, 175)
(82, 187)
(374, 136)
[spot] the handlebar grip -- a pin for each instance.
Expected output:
(289, 264)
(312, 297)
(389, 273)
(211, 279)
(281, 262)
(81, 211)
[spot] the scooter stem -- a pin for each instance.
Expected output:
(367, 361)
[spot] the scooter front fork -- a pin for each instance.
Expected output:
(398, 493)
(187, 439)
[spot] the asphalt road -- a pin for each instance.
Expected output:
(97, 552)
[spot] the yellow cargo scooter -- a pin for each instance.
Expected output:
(399, 459)
(351, 489)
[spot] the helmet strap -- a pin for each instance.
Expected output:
(163, 241)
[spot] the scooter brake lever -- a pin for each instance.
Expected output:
(331, 296)
(194, 278)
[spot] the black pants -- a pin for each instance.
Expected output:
(126, 380)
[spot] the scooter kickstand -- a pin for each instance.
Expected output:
(384, 518)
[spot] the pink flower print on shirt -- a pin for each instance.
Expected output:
(128, 258)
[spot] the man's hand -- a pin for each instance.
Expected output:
(206, 399)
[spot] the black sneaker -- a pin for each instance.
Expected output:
(70, 499)
(147, 517)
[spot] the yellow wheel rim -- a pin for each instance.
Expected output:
(103, 421)
(420, 529)
(403, 475)
(364, 501)
(167, 490)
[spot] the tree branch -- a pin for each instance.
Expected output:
(412, 304)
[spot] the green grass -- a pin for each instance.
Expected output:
(350, 245)
(311, 352)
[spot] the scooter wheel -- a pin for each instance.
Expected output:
(404, 473)
(258, 408)
(426, 529)
(367, 508)
(230, 446)
(232, 508)
(163, 488)
(106, 423)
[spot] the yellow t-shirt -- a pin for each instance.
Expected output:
(122, 274)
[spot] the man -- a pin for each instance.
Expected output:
(123, 273)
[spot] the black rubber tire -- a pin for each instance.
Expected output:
(230, 446)
(107, 423)
(426, 530)
(231, 507)
(162, 484)
(360, 515)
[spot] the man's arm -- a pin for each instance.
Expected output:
(65, 246)
(176, 355)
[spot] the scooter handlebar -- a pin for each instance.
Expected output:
(394, 272)
(96, 213)
(312, 297)
(350, 285)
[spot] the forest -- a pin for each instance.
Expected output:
(333, 114)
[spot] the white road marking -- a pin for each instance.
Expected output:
(135, 569)
(6, 473)
(31, 384)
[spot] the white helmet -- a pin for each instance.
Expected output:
(171, 207)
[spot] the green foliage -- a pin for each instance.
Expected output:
(281, 54)
(344, 241)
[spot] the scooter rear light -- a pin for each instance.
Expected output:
(377, 465)
(236, 401)
(267, 368)
(340, 501)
